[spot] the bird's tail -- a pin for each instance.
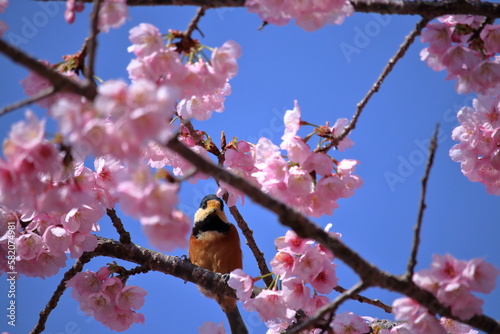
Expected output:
(236, 322)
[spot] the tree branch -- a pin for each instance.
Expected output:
(32, 99)
(416, 238)
(409, 39)
(365, 300)
(117, 223)
(59, 81)
(91, 44)
(369, 274)
(77, 267)
(319, 317)
(428, 9)
(257, 253)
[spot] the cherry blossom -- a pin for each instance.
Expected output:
(112, 14)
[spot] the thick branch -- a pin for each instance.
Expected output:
(304, 228)
(416, 238)
(170, 265)
(429, 9)
(59, 81)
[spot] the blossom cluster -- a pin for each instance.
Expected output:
(478, 150)
(298, 263)
(310, 181)
(108, 299)
(310, 15)
(467, 49)
(112, 13)
(3, 25)
(202, 86)
(36, 182)
(452, 282)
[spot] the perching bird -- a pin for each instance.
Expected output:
(215, 245)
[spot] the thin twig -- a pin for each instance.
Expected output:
(194, 22)
(318, 319)
(59, 81)
(92, 42)
(412, 262)
(77, 267)
(32, 99)
(366, 300)
(409, 39)
(257, 253)
(117, 223)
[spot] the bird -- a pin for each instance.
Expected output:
(215, 245)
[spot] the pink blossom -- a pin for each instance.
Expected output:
(310, 15)
(146, 39)
(121, 320)
(82, 243)
(72, 6)
(295, 293)
(282, 264)
(445, 268)
(315, 303)
(297, 150)
(130, 297)
(490, 35)
(110, 286)
(326, 280)
(486, 77)
(419, 319)
(292, 122)
(224, 58)
(438, 35)
(45, 265)
(292, 242)
(201, 107)
(84, 284)
(338, 129)
(319, 162)
(242, 283)
(459, 60)
(83, 219)
(3, 4)
(112, 14)
(309, 265)
(57, 240)
(269, 304)
(33, 84)
(28, 246)
(167, 233)
(299, 182)
(348, 322)
(3, 28)
(481, 276)
(463, 304)
(209, 327)
(455, 327)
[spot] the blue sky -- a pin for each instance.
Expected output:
(328, 72)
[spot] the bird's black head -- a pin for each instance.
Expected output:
(211, 197)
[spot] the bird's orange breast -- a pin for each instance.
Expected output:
(216, 251)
